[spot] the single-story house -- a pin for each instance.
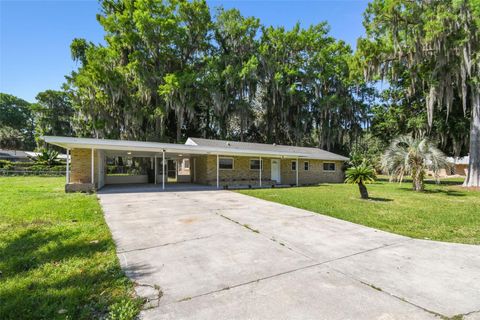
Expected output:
(457, 166)
(14, 155)
(23, 156)
(98, 162)
(34, 155)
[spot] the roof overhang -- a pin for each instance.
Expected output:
(157, 147)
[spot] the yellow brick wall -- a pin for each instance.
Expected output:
(81, 164)
(315, 174)
(199, 165)
(206, 167)
(206, 170)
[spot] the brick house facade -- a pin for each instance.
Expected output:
(205, 171)
(211, 162)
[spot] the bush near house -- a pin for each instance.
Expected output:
(57, 257)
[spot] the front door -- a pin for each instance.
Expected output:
(172, 170)
(275, 170)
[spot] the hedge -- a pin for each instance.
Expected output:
(30, 168)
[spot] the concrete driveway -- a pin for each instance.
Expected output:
(204, 254)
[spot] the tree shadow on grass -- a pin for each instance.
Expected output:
(32, 248)
(377, 199)
(444, 182)
(448, 192)
(52, 274)
(83, 295)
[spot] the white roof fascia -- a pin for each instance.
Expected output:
(126, 145)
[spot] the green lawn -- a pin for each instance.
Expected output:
(57, 257)
(443, 212)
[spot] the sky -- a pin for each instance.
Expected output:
(35, 35)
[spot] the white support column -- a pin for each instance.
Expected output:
(260, 170)
(296, 172)
(68, 166)
(163, 170)
(93, 166)
(194, 170)
(218, 172)
(155, 165)
(176, 170)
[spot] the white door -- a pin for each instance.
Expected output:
(275, 167)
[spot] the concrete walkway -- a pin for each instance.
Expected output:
(207, 254)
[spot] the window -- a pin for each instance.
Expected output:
(294, 165)
(306, 165)
(255, 164)
(328, 166)
(225, 163)
(186, 163)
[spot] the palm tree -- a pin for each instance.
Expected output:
(47, 156)
(412, 156)
(361, 175)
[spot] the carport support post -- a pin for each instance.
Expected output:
(93, 166)
(218, 171)
(68, 166)
(155, 164)
(260, 170)
(296, 172)
(163, 170)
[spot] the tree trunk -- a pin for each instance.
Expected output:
(223, 127)
(418, 175)
(473, 176)
(417, 184)
(363, 190)
(179, 126)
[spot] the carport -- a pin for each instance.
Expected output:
(88, 163)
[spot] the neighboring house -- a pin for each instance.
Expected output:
(34, 155)
(457, 166)
(24, 156)
(14, 155)
(201, 161)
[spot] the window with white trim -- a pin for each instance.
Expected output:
(255, 164)
(306, 166)
(186, 163)
(225, 163)
(294, 165)
(329, 166)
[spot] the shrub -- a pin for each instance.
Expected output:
(361, 175)
(5, 164)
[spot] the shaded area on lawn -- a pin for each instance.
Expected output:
(57, 257)
(445, 212)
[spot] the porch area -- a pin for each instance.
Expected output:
(95, 169)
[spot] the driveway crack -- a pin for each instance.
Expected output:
(293, 270)
(167, 244)
(151, 294)
(392, 294)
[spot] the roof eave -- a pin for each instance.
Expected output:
(157, 147)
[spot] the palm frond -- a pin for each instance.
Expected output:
(406, 155)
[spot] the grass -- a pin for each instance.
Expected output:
(57, 257)
(445, 212)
